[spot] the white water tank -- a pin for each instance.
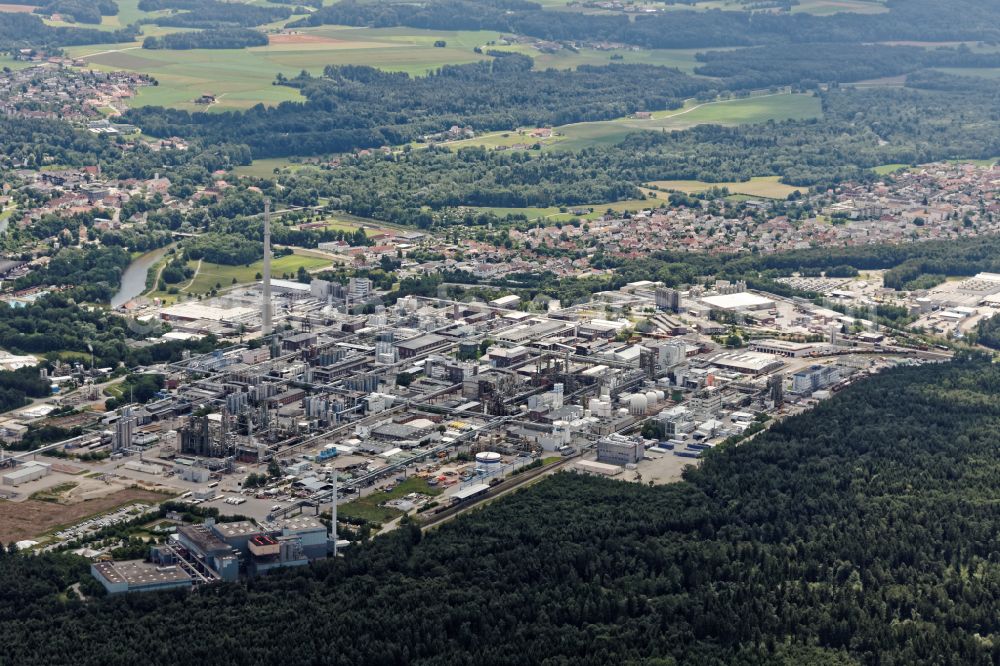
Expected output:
(488, 458)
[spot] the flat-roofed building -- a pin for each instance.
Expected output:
(139, 576)
(421, 344)
(197, 311)
(28, 472)
(748, 363)
(511, 301)
(782, 348)
(814, 378)
(502, 357)
(619, 450)
(597, 468)
(742, 301)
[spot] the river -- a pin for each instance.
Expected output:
(134, 277)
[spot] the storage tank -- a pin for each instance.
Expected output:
(637, 404)
(651, 398)
(487, 458)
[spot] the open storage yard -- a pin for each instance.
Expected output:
(21, 520)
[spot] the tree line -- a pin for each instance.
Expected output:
(221, 38)
(81, 11)
(807, 65)
(28, 31)
(211, 14)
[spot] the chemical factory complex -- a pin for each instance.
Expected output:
(333, 399)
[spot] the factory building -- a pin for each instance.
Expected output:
(299, 341)
(748, 363)
(619, 450)
(203, 436)
(139, 576)
(814, 378)
(596, 468)
(448, 369)
(203, 542)
(707, 403)
(782, 348)
(31, 471)
(421, 344)
(508, 302)
(738, 302)
(359, 288)
(501, 357)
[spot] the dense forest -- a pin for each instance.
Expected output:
(88, 267)
(913, 20)
(807, 65)
(81, 11)
(16, 386)
(222, 38)
(438, 178)
(20, 31)
(862, 532)
(209, 14)
(352, 107)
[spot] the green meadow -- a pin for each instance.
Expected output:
(767, 187)
(724, 112)
(208, 275)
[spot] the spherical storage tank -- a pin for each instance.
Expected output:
(488, 458)
(651, 398)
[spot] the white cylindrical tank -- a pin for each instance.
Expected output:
(637, 404)
(651, 398)
(660, 396)
(488, 458)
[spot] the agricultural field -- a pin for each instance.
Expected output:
(981, 72)
(241, 78)
(827, 7)
(766, 186)
(682, 59)
(886, 169)
(264, 168)
(724, 112)
(817, 7)
(583, 212)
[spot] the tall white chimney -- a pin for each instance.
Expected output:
(333, 515)
(267, 267)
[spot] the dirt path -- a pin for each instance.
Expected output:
(197, 269)
(91, 55)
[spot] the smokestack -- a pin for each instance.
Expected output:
(333, 515)
(267, 267)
